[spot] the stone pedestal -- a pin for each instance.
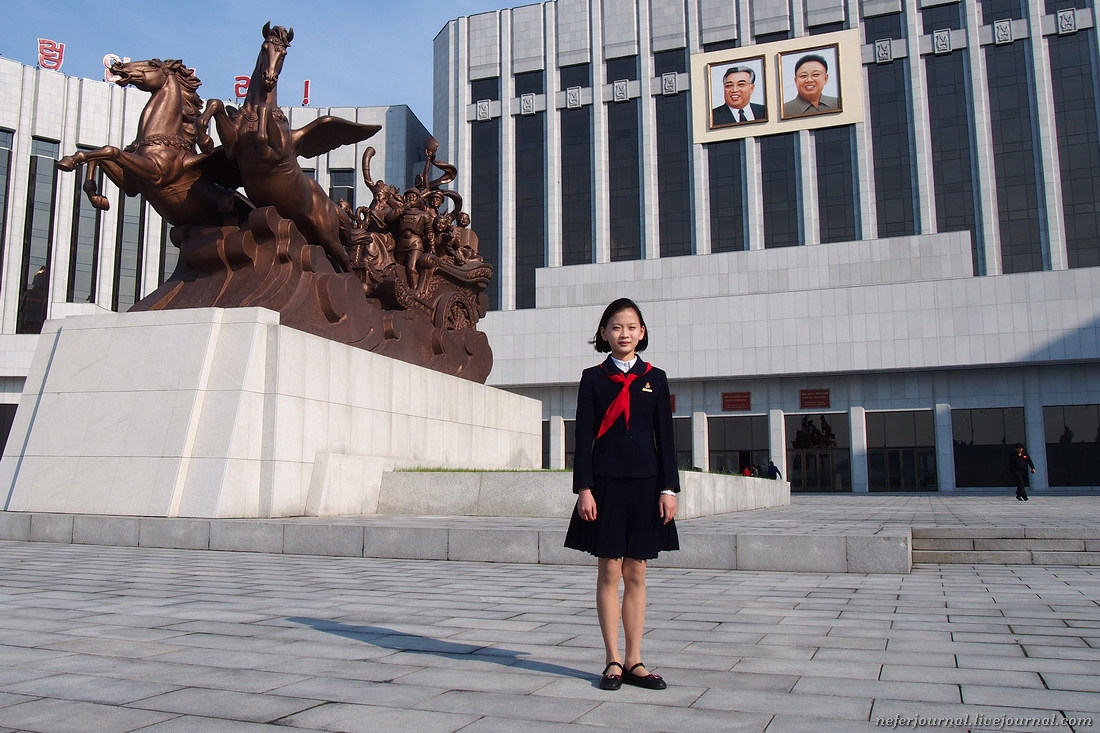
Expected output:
(224, 413)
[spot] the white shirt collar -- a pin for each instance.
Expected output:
(624, 366)
(749, 117)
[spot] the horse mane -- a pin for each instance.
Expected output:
(279, 34)
(189, 97)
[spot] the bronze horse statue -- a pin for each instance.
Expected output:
(162, 163)
(259, 139)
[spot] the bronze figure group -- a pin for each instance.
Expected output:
(401, 276)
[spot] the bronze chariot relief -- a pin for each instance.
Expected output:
(401, 277)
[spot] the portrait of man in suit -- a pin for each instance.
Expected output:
(810, 77)
(738, 89)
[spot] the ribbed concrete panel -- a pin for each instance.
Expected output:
(620, 28)
(717, 21)
(574, 31)
(483, 48)
(872, 8)
(528, 39)
(820, 12)
(668, 25)
(770, 18)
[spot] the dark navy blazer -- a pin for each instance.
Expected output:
(646, 449)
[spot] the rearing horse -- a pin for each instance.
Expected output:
(162, 163)
(259, 138)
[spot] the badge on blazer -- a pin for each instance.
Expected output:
(647, 388)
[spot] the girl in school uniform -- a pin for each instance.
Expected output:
(625, 478)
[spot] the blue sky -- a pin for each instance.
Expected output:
(363, 53)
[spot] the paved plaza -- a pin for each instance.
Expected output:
(100, 638)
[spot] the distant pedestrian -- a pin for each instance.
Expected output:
(1019, 461)
(773, 471)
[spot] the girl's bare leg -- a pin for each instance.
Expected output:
(634, 601)
(607, 605)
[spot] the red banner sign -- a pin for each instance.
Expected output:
(813, 399)
(736, 401)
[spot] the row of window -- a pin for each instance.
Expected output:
(1022, 218)
(901, 447)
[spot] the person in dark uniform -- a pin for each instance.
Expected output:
(626, 481)
(1019, 461)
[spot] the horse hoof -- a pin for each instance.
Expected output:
(100, 202)
(67, 163)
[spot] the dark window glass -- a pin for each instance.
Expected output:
(530, 193)
(949, 116)
(883, 26)
(738, 442)
(994, 10)
(892, 145)
(7, 417)
(1053, 6)
(1010, 105)
(485, 184)
(84, 247)
(782, 207)
(570, 442)
(310, 173)
(34, 282)
(772, 37)
(828, 28)
(727, 200)
(1073, 445)
(624, 166)
(577, 173)
(130, 239)
(6, 142)
(837, 194)
(819, 456)
(681, 438)
(942, 17)
(1072, 60)
(982, 442)
(673, 162)
(342, 186)
(901, 451)
(720, 45)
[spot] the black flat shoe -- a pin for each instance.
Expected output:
(611, 681)
(649, 681)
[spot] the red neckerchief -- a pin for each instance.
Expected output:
(621, 404)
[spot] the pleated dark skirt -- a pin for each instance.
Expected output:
(627, 521)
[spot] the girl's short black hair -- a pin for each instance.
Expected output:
(614, 307)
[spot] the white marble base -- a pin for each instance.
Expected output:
(224, 413)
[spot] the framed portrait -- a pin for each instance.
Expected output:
(784, 86)
(738, 92)
(810, 82)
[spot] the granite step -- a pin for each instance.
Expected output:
(1007, 545)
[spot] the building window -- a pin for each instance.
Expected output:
(727, 199)
(887, 89)
(577, 174)
(485, 184)
(128, 257)
(83, 247)
(837, 187)
(901, 451)
(819, 457)
(1073, 444)
(1011, 101)
(530, 159)
(34, 282)
(624, 165)
(737, 442)
(982, 441)
(673, 166)
(950, 133)
(7, 417)
(7, 139)
(1072, 60)
(342, 186)
(681, 436)
(782, 204)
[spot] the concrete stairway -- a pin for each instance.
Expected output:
(1007, 545)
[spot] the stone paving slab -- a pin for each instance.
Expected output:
(119, 639)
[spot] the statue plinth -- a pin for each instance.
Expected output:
(226, 413)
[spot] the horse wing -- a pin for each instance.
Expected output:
(328, 133)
